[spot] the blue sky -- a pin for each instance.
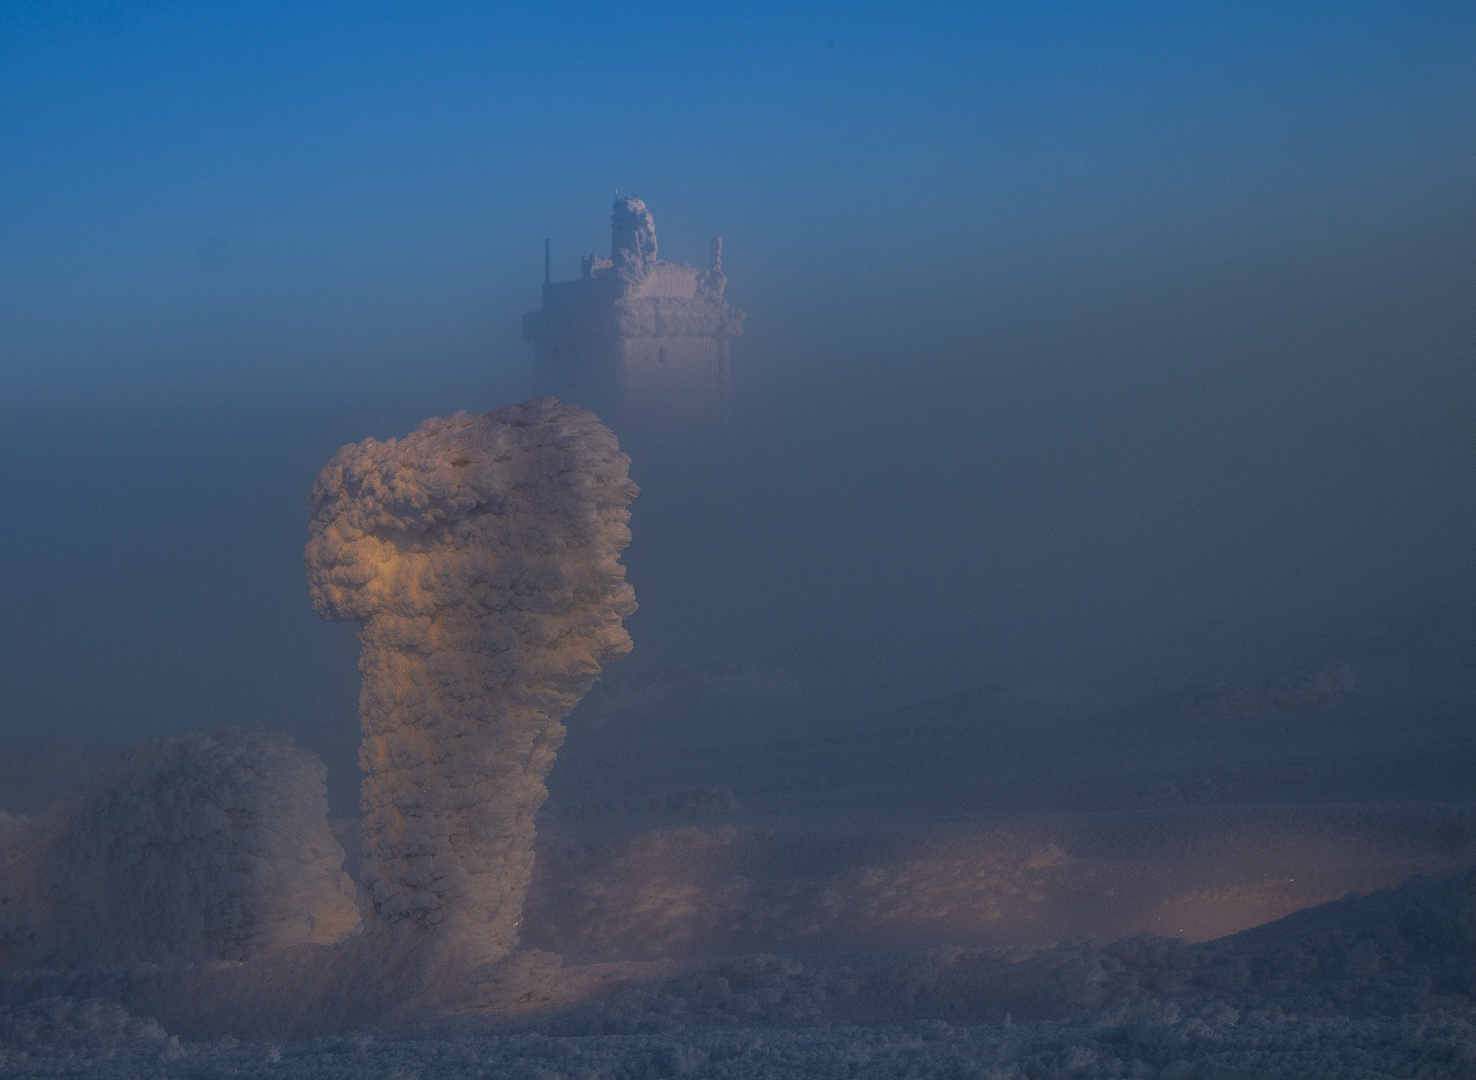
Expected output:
(1117, 346)
(370, 171)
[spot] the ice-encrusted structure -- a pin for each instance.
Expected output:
(191, 849)
(481, 556)
(635, 330)
(196, 879)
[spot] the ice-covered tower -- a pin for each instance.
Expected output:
(634, 331)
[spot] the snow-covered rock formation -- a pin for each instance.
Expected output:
(481, 555)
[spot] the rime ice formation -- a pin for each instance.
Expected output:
(632, 240)
(480, 554)
(195, 880)
(196, 848)
(634, 329)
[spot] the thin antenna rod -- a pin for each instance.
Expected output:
(547, 263)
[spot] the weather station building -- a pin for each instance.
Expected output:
(633, 331)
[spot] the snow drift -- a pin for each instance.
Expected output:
(481, 555)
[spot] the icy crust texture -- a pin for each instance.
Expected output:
(481, 555)
(1361, 989)
(653, 316)
(197, 848)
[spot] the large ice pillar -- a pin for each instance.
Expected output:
(481, 554)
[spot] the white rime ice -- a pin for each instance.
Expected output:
(196, 848)
(481, 556)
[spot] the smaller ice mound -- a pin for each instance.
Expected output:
(80, 1031)
(191, 849)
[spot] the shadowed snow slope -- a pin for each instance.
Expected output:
(686, 879)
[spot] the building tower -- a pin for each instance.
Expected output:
(635, 332)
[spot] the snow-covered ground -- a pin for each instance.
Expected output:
(1382, 985)
(742, 872)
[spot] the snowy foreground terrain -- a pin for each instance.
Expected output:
(1380, 985)
(1270, 878)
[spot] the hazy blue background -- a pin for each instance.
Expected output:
(1120, 347)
